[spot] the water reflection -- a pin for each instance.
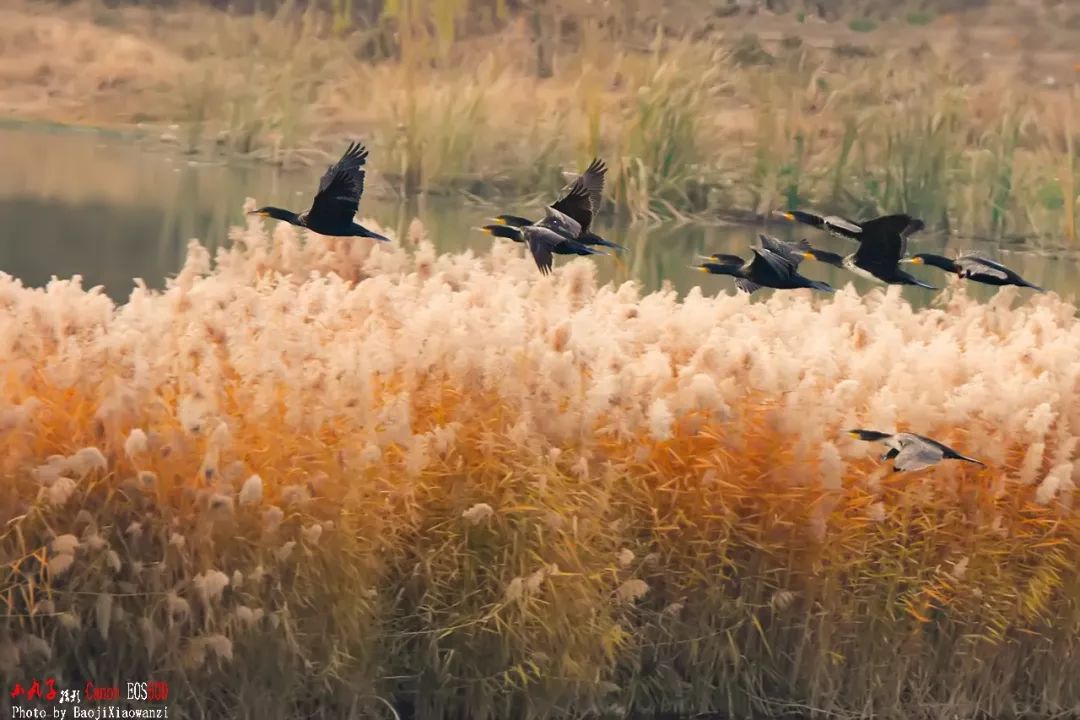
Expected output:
(114, 209)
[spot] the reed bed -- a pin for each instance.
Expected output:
(313, 475)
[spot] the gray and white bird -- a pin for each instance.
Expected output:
(911, 451)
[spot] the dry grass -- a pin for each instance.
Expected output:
(492, 494)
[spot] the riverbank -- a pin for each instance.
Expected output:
(977, 133)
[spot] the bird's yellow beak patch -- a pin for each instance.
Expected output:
(498, 220)
(915, 261)
(809, 255)
(787, 216)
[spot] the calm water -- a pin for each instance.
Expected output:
(112, 209)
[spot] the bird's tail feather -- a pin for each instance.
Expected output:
(364, 232)
(610, 244)
(965, 458)
(591, 238)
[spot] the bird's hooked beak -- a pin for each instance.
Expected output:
(784, 214)
(699, 268)
(498, 220)
(485, 230)
(913, 260)
(261, 213)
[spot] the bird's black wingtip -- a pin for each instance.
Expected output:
(965, 458)
(914, 225)
(356, 151)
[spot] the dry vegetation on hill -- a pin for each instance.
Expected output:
(463, 487)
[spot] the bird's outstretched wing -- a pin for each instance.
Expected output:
(976, 264)
(917, 455)
(769, 261)
(542, 255)
(791, 252)
(881, 248)
(766, 268)
(542, 241)
(561, 223)
(837, 222)
(340, 188)
(900, 225)
(747, 286)
(832, 224)
(582, 200)
(946, 451)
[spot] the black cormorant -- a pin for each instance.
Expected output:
(973, 267)
(768, 268)
(912, 452)
(333, 210)
(581, 202)
(882, 242)
(793, 252)
(550, 236)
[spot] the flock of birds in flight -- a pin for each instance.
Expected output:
(565, 229)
